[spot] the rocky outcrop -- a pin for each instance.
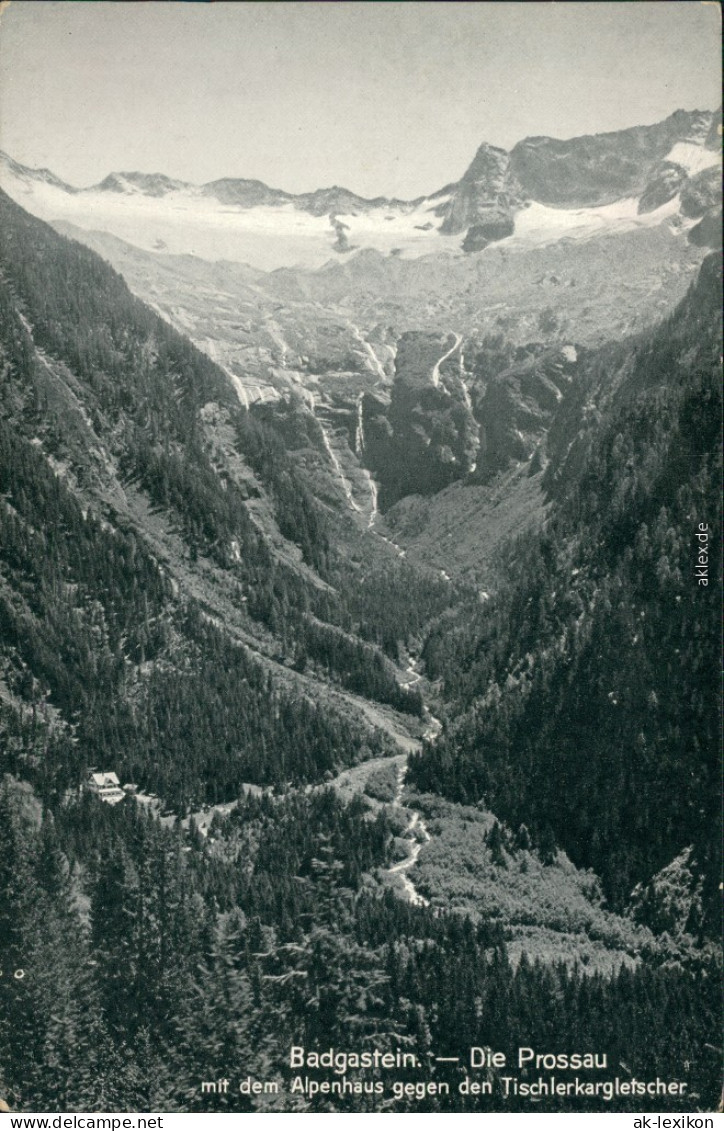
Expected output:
(713, 138)
(427, 437)
(672, 900)
(701, 200)
(519, 404)
(701, 193)
(663, 187)
(601, 168)
(708, 232)
(579, 172)
(149, 184)
(483, 203)
(497, 226)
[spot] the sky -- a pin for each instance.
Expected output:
(385, 97)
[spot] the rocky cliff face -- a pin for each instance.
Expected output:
(427, 437)
(599, 169)
(484, 200)
(701, 200)
(517, 406)
(650, 163)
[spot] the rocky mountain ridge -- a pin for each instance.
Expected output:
(502, 195)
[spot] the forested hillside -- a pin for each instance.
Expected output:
(178, 605)
(151, 960)
(102, 436)
(584, 698)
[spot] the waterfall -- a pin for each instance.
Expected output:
(359, 432)
(337, 467)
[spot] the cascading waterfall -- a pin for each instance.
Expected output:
(435, 376)
(359, 432)
(373, 497)
(338, 468)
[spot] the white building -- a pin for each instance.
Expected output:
(105, 786)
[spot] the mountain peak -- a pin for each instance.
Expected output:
(489, 161)
(28, 175)
(151, 184)
(527, 193)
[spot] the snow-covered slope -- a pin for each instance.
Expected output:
(188, 219)
(693, 158)
(542, 191)
(539, 224)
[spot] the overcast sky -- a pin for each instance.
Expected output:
(383, 97)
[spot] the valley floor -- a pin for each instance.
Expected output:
(550, 912)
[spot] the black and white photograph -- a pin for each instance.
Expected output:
(360, 570)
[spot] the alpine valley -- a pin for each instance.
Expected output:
(359, 582)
